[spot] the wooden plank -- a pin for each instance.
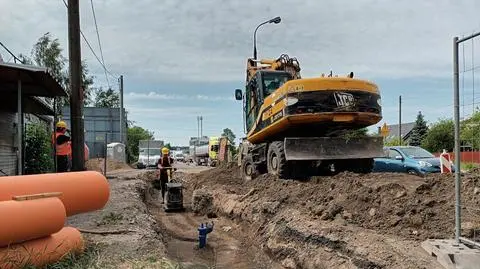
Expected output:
(36, 196)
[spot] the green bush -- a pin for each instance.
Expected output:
(440, 136)
(38, 149)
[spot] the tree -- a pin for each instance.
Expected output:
(47, 52)
(440, 137)
(351, 134)
(229, 135)
(419, 131)
(106, 98)
(168, 146)
(470, 130)
(134, 135)
(38, 149)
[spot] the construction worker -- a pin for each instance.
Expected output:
(63, 148)
(164, 163)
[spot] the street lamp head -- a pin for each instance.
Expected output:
(275, 20)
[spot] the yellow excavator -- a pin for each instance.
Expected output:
(300, 127)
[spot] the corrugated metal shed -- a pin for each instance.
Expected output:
(98, 121)
(21, 85)
(8, 154)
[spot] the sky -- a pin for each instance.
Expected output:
(183, 59)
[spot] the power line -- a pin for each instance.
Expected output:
(91, 49)
(99, 43)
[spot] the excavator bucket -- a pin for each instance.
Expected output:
(332, 148)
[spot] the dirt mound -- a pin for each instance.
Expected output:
(202, 202)
(383, 207)
(398, 204)
(97, 164)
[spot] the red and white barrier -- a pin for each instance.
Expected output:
(445, 162)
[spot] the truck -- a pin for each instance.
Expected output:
(206, 153)
(178, 155)
(149, 152)
(299, 127)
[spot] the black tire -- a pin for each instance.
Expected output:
(248, 169)
(276, 162)
(414, 172)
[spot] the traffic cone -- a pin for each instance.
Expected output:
(445, 163)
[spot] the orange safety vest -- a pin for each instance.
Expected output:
(63, 149)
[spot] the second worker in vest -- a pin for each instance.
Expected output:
(63, 149)
(164, 164)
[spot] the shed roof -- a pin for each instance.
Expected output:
(36, 81)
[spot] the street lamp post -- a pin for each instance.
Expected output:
(275, 20)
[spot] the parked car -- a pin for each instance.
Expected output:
(407, 159)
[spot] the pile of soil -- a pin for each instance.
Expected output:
(97, 164)
(347, 214)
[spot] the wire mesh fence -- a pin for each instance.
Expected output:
(467, 137)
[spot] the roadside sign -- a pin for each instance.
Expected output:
(384, 130)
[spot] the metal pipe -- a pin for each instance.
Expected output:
(467, 38)
(55, 119)
(122, 125)
(469, 242)
(400, 119)
(456, 113)
(105, 156)
(19, 128)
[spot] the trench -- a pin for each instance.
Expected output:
(227, 247)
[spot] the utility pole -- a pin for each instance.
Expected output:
(201, 126)
(400, 118)
(76, 96)
(198, 127)
(122, 123)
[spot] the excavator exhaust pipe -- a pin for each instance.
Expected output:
(332, 148)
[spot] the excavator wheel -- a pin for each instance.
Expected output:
(248, 168)
(276, 162)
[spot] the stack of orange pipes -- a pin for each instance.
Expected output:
(34, 209)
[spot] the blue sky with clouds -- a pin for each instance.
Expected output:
(181, 59)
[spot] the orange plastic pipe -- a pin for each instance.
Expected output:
(42, 251)
(81, 191)
(31, 219)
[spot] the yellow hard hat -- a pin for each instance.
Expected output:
(61, 124)
(165, 150)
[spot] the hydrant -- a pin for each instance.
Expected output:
(203, 230)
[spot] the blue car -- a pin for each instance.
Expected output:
(407, 159)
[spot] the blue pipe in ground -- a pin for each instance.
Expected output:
(203, 230)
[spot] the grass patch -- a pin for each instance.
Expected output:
(87, 260)
(111, 218)
(162, 263)
(469, 166)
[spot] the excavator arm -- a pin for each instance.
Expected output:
(283, 63)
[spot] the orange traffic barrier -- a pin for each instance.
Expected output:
(81, 191)
(42, 251)
(30, 219)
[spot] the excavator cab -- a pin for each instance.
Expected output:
(261, 85)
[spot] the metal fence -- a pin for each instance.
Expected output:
(466, 57)
(98, 122)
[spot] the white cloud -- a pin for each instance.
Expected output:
(136, 96)
(185, 40)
